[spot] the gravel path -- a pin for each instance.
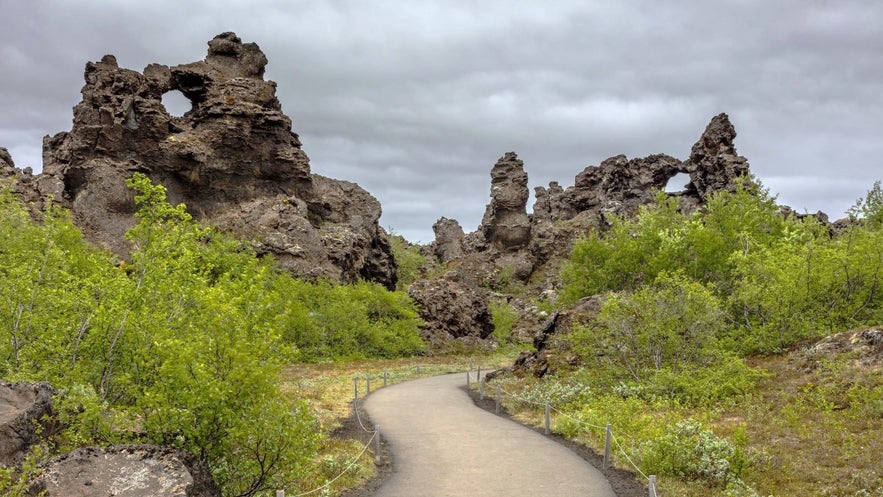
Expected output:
(442, 445)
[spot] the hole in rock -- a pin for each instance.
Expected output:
(677, 183)
(176, 103)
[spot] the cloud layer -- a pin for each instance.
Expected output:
(415, 101)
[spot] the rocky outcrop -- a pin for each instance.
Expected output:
(505, 224)
(232, 159)
(511, 241)
(125, 470)
(24, 408)
(448, 240)
(7, 166)
(451, 310)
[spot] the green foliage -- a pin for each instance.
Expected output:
(15, 482)
(348, 322)
(411, 262)
(726, 377)
(504, 317)
(630, 254)
(778, 279)
(671, 323)
(870, 208)
(690, 451)
(183, 345)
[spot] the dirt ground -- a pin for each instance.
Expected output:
(624, 483)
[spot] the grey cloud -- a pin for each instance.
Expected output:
(415, 101)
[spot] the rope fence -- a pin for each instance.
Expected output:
(548, 407)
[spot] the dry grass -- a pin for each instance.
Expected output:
(816, 427)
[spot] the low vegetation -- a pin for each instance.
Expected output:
(701, 356)
(183, 344)
(697, 357)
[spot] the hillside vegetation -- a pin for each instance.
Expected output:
(182, 344)
(698, 355)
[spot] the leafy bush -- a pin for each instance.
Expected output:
(726, 377)
(504, 317)
(671, 324)
(182, 345)
(411, 262)
(690, 451)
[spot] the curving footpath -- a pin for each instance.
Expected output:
(444, 446)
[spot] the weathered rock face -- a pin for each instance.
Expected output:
(7, 167)
(232, 159)
(511, 240)
(22, 409)
(714, 163)
(505, 223)
(448, 239)
(451, 309)
(126, 470)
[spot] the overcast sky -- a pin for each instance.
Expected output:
(416, 100)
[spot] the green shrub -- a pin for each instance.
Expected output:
(689, 451)
(504, 317)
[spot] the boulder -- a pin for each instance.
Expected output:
(233, 159)
(449, 237)
(125, 471)
(451, 310)
(24, 407)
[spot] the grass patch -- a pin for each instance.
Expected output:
(811, 425)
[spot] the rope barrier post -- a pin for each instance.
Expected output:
(355, 389)
(653, 486)
(467, 379)
(384, 378)
(481, 389)
(478, 375)
(548, 424)
(607, 446)
(498, 399)
(377, 445)
(367, 383)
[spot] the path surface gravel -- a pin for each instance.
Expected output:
(442, 445)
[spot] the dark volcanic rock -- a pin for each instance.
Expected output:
(7, 167)
(511, 241)
(714, 164)
(505, 223)
(449, 236)
(126, 471)
(452, 309)
(23, 407)
(232, 159)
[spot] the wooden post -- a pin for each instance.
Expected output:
(548, 424)
(467, 379)
(481, 389)
(607, 446)
(653, 486)
(384, 377)
(498, 399)
(478, 375)
(367, 383)
(377, 445)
